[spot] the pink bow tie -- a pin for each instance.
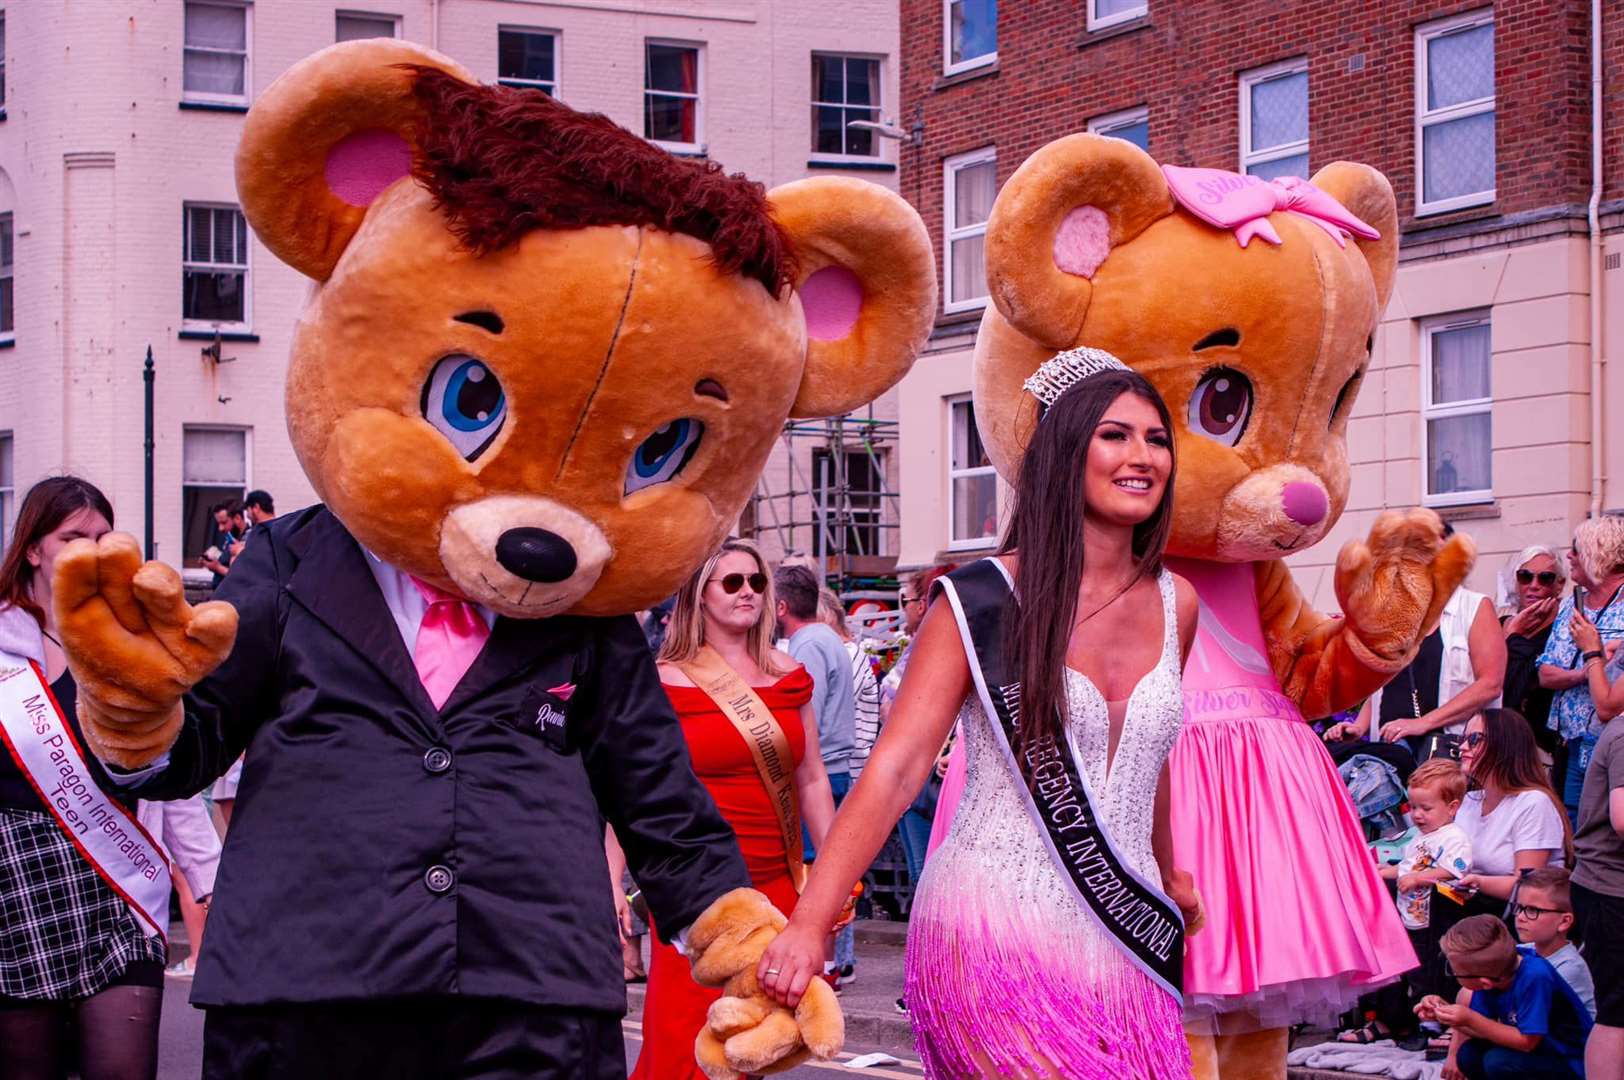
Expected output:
(448, 641)
(1244, 203)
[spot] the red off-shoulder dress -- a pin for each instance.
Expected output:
(675, 1007)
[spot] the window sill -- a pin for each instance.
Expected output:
(1480, 203)
(1108, 33)
(8, 343)
(223, 335)
(212, 106)
(857, 166)
(1488, 509)
(980, 71)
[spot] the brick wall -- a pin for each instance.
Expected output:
(1183, 62)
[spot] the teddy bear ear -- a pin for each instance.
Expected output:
(867, 286)
(1057, 219)
(1369, 196)
(324, 140)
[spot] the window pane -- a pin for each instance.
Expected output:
(225, 236)
(974, 188)
(1460, 364)
(672, 67)
(1458, 457)
(198, 233)
(523, 55)
(862, 82)
(197, 523)
(975, 29)
(826, 129)
(214, 457)
(1136, 133)
(6, 253)
(669, 119)
(975, 506)
(357, 27)
(1279, 110)
(7, 477)
(968, 453)
(1460, 67)
(828, 79)
(1295, 165)
(1458, 157)
(1104, 9)
(859, 140)
(969, 268)
(213, 73)
(213, 27)
(211, 297)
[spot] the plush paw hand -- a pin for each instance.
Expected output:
(1394, 585)
(134, 644)
(746, 1031)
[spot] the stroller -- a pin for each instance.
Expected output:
(1378, 795)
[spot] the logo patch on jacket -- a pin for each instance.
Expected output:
(546, 712)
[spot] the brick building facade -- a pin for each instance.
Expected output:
(1494, 292)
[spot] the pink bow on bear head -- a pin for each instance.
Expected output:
(1244, 203)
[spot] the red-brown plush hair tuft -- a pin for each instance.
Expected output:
(502, 161)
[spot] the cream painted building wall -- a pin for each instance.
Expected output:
(100, 150)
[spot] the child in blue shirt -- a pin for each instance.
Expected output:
(1514, 1016)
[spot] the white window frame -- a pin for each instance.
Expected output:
(246, 266)
(1472, 407)
(968, 543)
(1425, 118)
(247, 8)
(247, 467)
(1248, 156)
(3, 64)
(358, 13)
(698, 145)
(1116, 121)
(878, 107)
(9, 218)
(949, 67)
(950, 168)
(1102, 22)
(558, 58)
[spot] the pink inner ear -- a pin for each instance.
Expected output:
(360, 166)
(832, 298)
(1083, 241)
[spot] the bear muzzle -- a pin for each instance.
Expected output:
(526, 556)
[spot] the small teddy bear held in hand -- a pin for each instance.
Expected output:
(747, 1032)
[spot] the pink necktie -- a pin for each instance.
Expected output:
(450, 637)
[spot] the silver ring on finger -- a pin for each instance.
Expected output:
(772, 971)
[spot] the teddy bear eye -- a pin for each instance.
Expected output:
(1221, 406)
(664, 454)
(463, 399)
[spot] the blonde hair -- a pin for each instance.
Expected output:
(1600, 542)
(832, 611)
(1442, 775)
(685, 634)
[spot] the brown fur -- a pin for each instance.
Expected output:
(502, 161)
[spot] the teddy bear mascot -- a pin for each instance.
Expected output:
(1251, 306)
(541, 367)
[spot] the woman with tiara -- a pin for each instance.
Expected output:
(1046, 935)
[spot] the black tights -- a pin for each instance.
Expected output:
(118, 1036)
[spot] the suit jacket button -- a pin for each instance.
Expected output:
(439, 879)
(437, 760)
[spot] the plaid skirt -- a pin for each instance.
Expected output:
(64, 933)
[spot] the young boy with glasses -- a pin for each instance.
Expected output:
(1544, 917)
(1514, 1015)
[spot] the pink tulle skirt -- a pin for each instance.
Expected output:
(1299, 923)
(948, 801)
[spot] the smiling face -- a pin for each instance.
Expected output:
(1538, 579)
(1129, 460)
(525, 411)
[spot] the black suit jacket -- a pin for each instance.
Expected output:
(380, 847)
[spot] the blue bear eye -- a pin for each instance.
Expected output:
(664, 454)
(464, 401)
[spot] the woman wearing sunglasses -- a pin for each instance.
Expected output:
(723, 676)
(1513, 817)
(1539, 580)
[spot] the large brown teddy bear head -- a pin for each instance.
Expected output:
(545, 360)
(1258, 349)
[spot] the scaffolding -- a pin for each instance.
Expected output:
(835, 505)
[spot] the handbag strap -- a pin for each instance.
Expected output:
(768, 744)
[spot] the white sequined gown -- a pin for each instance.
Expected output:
(1005, 969)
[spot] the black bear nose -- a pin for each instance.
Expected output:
(535, 555)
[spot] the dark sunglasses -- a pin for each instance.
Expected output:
(732, 583)
(1546, 578)
(1472, 740)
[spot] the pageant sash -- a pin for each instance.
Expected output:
(768, 745)
(108, 836)
(1134, 914)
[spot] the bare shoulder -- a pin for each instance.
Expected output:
(672, 675)
(784, 660)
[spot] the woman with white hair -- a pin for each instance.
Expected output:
(1597, 565)
(1536, 577)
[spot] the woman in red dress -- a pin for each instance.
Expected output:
(724, 607)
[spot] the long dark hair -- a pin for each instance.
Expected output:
(46, 506)
(1046, 528)
(1510, 759)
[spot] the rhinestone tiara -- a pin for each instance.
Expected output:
(1064, 370)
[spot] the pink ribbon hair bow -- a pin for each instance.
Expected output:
(1243, 203)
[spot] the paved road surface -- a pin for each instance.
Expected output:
(180, 1052)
